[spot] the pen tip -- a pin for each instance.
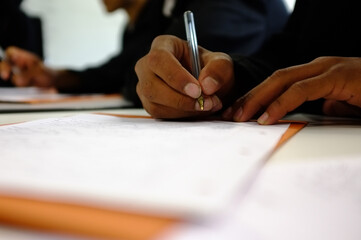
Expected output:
(201, 102)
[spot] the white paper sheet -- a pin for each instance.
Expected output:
(174, 168)
(28, 94)
(319, 199)
(33, 98)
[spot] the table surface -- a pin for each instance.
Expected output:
(322, 138)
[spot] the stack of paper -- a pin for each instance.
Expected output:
(93, 167)
(181, 168)
(33, 98)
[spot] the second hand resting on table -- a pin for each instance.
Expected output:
(168, 90)
(30, 70)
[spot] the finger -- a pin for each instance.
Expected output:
(24, 65)
(261, 96)
(152, 89)
(164, 112)
(21, 58)
(336, 83)
(217, 73)
(235, 110)
(5, 70)
(160, 93)
(168, 68)
(300, 92)
(21, 80)
(26, 68)
(13, 56)
(165, 59)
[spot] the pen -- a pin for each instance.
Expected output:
(193, 49)
(14, 69)
(1, 59)
(1, 54)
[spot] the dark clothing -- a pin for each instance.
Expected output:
(229, 25)
(316, 28)
(18, 29)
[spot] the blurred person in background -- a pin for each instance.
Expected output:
(18, 29)
(229, 25)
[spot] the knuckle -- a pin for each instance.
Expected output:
(356, 100)
(155, 58)
(138, 89)
(324, 60)
(227, 65)
(146, 90)
(174, 78)
(246, 98)
(181, 103)
(220, 67)
(279, 74)
(35, 62)
(300, 88)
(165, 40)
(220, 61)
(138, 65)
(321, 59)
(10, 50)
(277, 103)
(159, 39)
(278, 107)
(154, 111)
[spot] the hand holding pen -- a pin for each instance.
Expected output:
(24, 68)
(166, 87)
(7, 69)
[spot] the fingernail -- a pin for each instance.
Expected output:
(210, 85)
(237, 116)
(208, 104)
(263, 118)
(192, 90)
(217, 104)
(228, 113)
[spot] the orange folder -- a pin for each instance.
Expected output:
(89, 221)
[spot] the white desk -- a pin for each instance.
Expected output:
(322, 138)
(322, 142)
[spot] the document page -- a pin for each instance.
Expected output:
(317, 199)
(34, 98)
(30, 94)
(40, 95)
(183, 169)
